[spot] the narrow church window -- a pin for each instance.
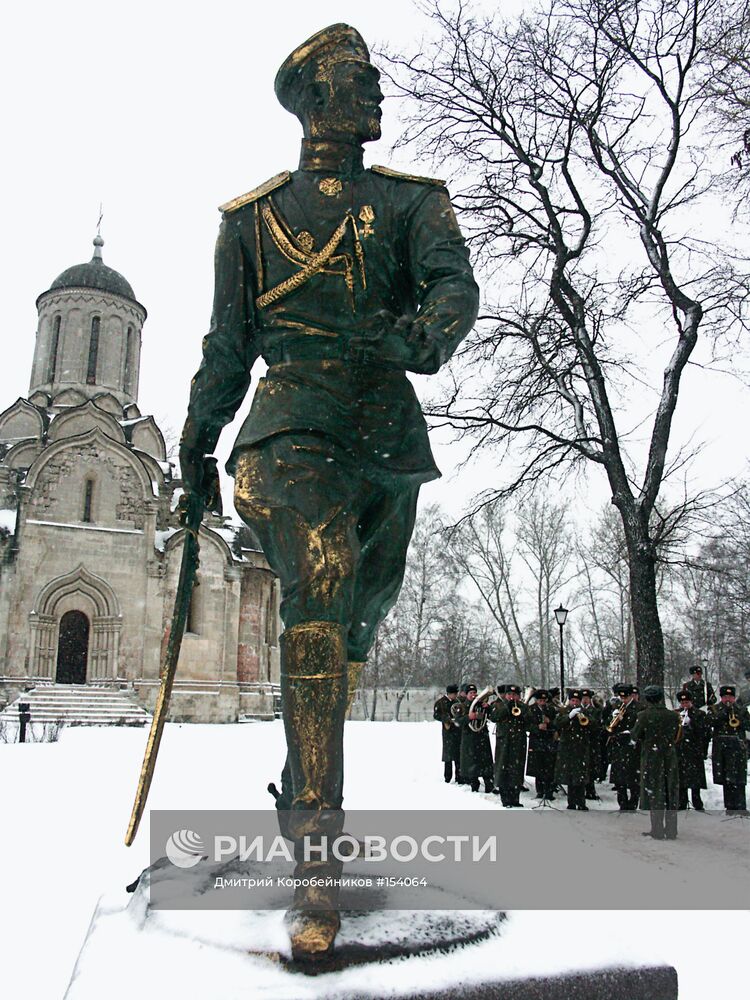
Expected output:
(88, 499)
(128, 373)
(193, 623)
(93, 351)
(52, 360)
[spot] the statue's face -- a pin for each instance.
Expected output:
(350, 107)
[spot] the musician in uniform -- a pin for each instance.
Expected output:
(573, 765)
(700, 691)
(730, 723)
(444, 713)
(594, 712)
(540, 763)
(623, 755)
(656, 730)
(476, 750)
(692, 750)
(342, 279)
(512, 721)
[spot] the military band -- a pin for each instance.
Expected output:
(655, 756)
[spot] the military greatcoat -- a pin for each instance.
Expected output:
(701, 693)
(542, 743)
(510, 742)
(450, 729)
(692, 748)
(573, 765)
(476, 752)
(729, 753)
(623, 756)
(656, 728)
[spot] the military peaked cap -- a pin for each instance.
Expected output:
(314, 60)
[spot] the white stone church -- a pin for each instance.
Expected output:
(89, 543)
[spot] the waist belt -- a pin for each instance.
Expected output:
(328, 349)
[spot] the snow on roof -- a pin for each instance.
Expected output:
(8, 519)
(162, 536)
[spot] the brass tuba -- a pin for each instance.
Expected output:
(478, 705)
(459, 709)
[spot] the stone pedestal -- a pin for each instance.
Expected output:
(436, 954)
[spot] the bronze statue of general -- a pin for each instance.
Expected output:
(342, 279)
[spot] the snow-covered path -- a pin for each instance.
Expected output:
(66, 806)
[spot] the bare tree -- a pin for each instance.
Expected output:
(576, 129)
(545, 545)
(483, 548)
(728, 83)
(422, 603)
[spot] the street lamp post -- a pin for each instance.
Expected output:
(561, 614)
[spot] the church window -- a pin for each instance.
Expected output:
(52, 360)
(93, 351)
(193, 623)
(128, 373)
(88, 501)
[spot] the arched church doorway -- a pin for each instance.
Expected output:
(72, 648)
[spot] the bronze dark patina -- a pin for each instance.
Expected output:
(342, 279)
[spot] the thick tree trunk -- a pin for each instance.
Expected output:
(649, 639)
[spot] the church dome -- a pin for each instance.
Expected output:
(94, 274)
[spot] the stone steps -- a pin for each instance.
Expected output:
(80, 705)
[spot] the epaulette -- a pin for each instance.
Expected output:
(265, 188)
(399, 175)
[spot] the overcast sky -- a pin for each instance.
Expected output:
(162, 111)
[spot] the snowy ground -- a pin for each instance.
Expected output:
(66, 806)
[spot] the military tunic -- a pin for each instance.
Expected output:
(510, 747)
(342, 280)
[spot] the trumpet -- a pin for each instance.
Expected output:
(618, 717)
(515, 710)
(734, 719)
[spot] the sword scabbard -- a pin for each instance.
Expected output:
(188, 569)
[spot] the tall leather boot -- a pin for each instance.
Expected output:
(314, 699)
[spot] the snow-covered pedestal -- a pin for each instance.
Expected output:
(132, 949)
